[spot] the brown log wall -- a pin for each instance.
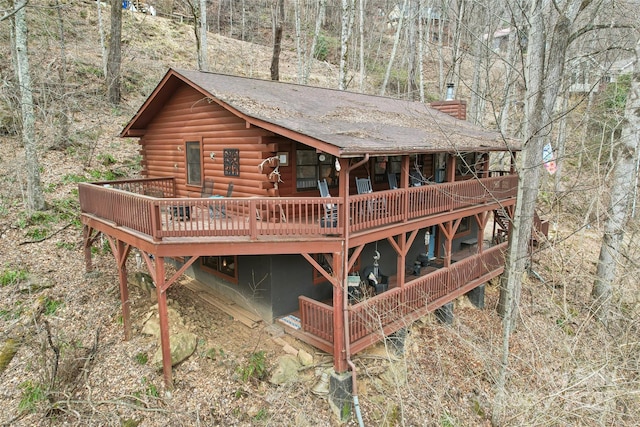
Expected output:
(188, 115)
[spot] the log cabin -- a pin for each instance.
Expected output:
(233, 170)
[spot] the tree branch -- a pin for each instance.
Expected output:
(594, 27)
(9, 13)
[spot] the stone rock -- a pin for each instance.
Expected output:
(182, 344)
(145, 283)
(286, 371)
(305, 358)
(290, 350)
(152, 325)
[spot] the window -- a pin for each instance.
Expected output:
(223, 266)
(384, 165)
(194, 163)
(311, 167)
(464, 228)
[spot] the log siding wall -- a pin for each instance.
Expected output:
(188, 116)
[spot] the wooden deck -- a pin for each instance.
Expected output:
(147, 207)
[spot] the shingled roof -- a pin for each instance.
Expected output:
(351, 123)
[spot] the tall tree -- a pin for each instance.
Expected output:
(394, 49)
(348, 16)
(103, 46)
(114, 60)
(201, 33)
(550, 35)
(278, 22)
(35, 197)
(621, 197)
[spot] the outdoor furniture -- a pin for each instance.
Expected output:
(378, 205)
(330, 218)
(393, 181)
(363, 185)
(207, 188)
(415, 178)
(220, 212)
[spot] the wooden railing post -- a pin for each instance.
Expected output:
(253, 219)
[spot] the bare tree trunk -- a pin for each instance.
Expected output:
(441, 76)
(456, 54)
(35, 197)
(411, 50)
(103, 46)
(314, 42)
(396, 41)
(278, 22)
(560, 145)
(345, 34)
(511, 281)
(509, 65)
(421, 36)
(620, 203)
(299, 42)
(62, 137)
(361, 38)
(203, 57)
(114, 60)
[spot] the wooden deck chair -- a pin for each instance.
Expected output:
(207, 188)
(363, 185)
(393, 181)
(222, 212)
(415, 178)
(330, 218)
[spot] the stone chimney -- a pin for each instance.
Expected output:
(450, 106)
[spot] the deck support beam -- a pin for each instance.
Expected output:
(339, 333)
(481, 218)
(121, 251)
(88, 241)
(165, 345)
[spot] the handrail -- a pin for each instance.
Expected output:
(149, 206)
(370, 317)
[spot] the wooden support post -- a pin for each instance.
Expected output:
(482, 218)
(164, 322)
(401, 252)
(88, 241)
(121, 258)
(450, 174)
(339, 337)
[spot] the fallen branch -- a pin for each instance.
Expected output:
(46, 237)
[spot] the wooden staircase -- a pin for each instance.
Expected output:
(502, 221)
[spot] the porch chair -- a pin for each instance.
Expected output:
(363, 186)
(393, 181)
(330, 218)
(415, 178)
(207, 188)
(214, 212)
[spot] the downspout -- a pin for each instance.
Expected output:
(345, 296)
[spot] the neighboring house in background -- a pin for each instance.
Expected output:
(276, 242)
(590, 75)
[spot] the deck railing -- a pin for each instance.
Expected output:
(316, 318)
(371, 318)
(149, 206)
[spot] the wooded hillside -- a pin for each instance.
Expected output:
(62, 357)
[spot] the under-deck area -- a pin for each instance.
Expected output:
(374, 317)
